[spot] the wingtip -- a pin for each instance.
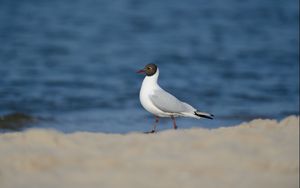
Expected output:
(204, 115)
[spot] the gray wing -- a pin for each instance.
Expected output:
(168, 103)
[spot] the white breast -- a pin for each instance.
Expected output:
(148, 86)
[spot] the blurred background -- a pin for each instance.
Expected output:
(70, 64)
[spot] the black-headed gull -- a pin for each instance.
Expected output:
(160, 103)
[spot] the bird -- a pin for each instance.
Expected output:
(161, 103)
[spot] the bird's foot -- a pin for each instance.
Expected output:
(149, 132)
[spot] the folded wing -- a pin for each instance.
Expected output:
(168, 103)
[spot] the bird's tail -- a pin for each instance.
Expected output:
(204, 115)
(192, 112)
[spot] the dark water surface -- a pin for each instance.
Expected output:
(73, 62)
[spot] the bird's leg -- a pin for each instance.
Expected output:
(156, 122)
(174, 122)
(154, 126)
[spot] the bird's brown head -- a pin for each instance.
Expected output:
(149, 69)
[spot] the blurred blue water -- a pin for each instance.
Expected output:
(74, 61)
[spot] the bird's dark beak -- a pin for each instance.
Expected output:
(142, 71)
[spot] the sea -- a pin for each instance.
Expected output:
(70, 65)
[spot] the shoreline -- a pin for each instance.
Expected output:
(260, 153)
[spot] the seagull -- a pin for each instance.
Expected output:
(160, 103)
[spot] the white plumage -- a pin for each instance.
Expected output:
(161, 103)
